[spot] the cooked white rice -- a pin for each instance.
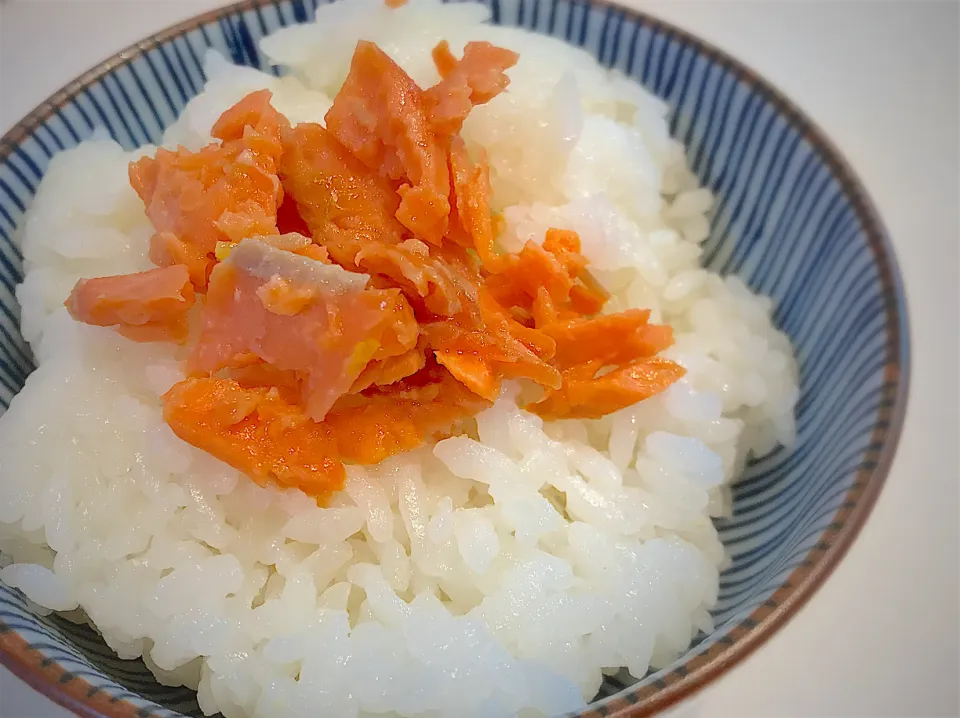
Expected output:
(493, 573)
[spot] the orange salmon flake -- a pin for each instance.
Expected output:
(590, 397)
(281, 296)
(329, 340)
(223, 192)
(147, 306)
(256, 432)
(333, 192)
(471, 190)
(388, 420)
(381, 117)
(474, 80)
(353, 300)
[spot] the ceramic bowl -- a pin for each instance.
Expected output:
(791, 219)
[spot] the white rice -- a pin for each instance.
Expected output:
(492, 574)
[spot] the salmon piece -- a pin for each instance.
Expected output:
(394, 4)
(495, 318)
(543, 312)
(588, 397)
(520, 277)
(549, 282)
(329, 341)
(385, 421)
(624, 341)
(166, 249)
(317, 254)
(223, 192)
(482, 354)
(564, 244)
(380, 116)
(443, 59)
(254, 119)
(437, 281)
(251, 372)
(411, 266)
(281, 296)
(548, 288)
(383, 372)
(612, 339)
(482, 343)
(473, 367)
(471, 190)
(257, 432)
(333, 190)
(586, 295)
(146, 306)
(474, 80)
(289, 242)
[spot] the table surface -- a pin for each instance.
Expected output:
(882, 79)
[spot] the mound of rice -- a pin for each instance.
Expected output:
(495, 573)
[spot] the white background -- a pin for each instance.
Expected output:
(882, 79)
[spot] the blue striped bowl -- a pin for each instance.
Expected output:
(791, 220)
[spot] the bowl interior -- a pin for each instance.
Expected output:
(790, 220)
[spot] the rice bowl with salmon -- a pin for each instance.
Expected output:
(389, 385)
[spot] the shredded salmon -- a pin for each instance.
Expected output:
(256, 432)
(625, 344)
(335, 194)
(419, 271)
(251, 372)
(330, 339)
(471, 191)
(495, 347)
(610, 339)
(443, 59)
(281, 296)
(354, 303)
(590, 397)
(474, 80)
(148, 306)
(549, 282)
(223, 192)
(294, 242)
(381, 117)
(388, 420)
(383, 372)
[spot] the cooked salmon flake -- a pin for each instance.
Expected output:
(222, 193)
(342, 289)
(471, 191)
(383, 421)
(257, 432)
(324, 334)
(281, 296)
(474, 80)
(380, 115)
(148, 306)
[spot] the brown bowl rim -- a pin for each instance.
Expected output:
(83, 699)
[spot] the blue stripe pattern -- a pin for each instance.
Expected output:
(787, 221)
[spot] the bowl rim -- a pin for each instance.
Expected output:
(79, 696)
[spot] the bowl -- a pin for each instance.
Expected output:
(791, 219)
